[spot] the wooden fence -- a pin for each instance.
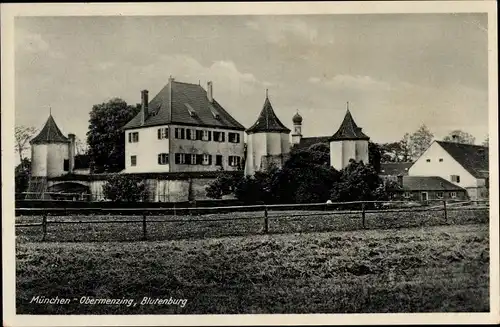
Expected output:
(191, 215)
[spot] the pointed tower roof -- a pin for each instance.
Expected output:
(348, 130)
(50, 133)
(267, 121)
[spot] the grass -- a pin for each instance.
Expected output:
(420, 269)
(279, 222)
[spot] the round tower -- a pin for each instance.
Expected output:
(349, 142)
(268, 141)
(50, 151)
(297, 128)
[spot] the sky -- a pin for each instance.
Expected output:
(397, 71)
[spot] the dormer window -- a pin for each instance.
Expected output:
(190, 109)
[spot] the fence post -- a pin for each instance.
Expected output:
(445, 212)
(266, 220)
(144, 232)
(363, 214)
(44, 226)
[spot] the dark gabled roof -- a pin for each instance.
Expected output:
(306, 142)
(348, 130)
(474, 158)
(395, 168)
(50, 133)
(268, 121)
(188, 105)
(428, 183)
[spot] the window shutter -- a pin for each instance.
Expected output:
(129, 137)
(177, 158)
(209, 159)
(223, 136)
(188, 134)
(159, 133)
(237, 138)
(159, 158)
(210, 135)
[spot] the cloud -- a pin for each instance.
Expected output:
(314, 80)
(352, 82)
(279, 31)
(34, 43)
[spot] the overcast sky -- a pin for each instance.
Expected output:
(397, 71)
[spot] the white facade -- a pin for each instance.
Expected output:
(47, 160)
(342, 151)
(297, 133)
(265, 144)
(435, 161)
(148, 147)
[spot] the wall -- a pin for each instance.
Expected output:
(336, 155)
(146, 150)
(56, 154)
(285, 143)
(261, 145)
(212, 147)
(444, 169)
(362, 151)
(39, 160)
(348, 152)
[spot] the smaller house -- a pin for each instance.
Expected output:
(424, 188)
(464, 165)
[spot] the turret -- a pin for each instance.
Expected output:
(349, 142)
(268, 141)
(297, 128)
(50, 151)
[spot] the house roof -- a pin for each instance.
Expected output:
(306, 142)
(348, 130)
(395, 168)
(268, 121)
(474, 158)
(50, 133)
(428, 183)
(186, 104)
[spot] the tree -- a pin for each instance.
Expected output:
(22, 175)
(459, 136)
(124, 188)
(105, 137)
(420, 141)
(374, 155)
(81, 146)
(405, 147)
(22, 135)
(486, 142)
(223, 185)
(358, 182)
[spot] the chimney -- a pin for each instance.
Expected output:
(210, 92)
(144, 106)
(71, 152)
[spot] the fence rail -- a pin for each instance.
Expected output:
(265, 213)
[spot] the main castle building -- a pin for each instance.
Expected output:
(180, 141)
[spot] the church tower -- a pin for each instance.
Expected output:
(268, 141)
(349, 142)
(297, 128)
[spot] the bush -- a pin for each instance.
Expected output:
(223, 185)
(124, 188)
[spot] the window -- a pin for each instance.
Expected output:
(179, 133)
(206, 136)
(163, 159)
(406, 195)
(133, 160)
(191, 134)
(66, 165)
(234, 137)
(428, 160)
(455, 178)
(133, 137)
(453, 195)
(440, 159)
(192, 159)
(207, 159)
(439, 195)
(218, 160)
(180, 158)
(162, 133)
(219, 136)
(234, 161)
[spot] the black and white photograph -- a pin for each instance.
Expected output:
(230, 162)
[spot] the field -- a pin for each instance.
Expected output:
(418, 269)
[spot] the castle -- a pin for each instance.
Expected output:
(189, 139)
